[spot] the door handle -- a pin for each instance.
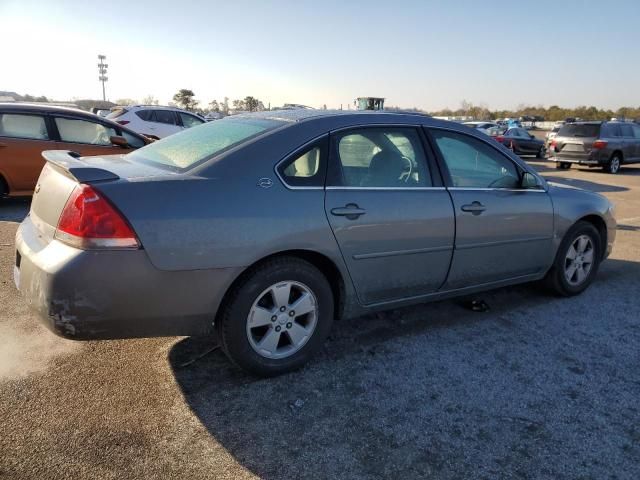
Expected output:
(475, 208)
(351, 211)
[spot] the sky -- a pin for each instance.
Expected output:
(425, 54)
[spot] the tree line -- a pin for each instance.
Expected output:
(552, 113)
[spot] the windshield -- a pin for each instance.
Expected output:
(579, 130)
(186, 149)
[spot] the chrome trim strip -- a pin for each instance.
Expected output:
(293, 152)
(537, 190)
(377, 125)
(502, 242)
(404, 189)
(364, 256)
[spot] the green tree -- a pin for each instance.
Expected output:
(251, 103)
(184, 98)
(213, 106)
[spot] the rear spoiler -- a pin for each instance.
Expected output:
(70, 164)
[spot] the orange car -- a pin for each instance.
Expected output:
(26, 130)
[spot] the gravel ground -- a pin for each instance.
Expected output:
(538, 387)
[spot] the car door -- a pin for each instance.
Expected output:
(87, 137)
(391, 216)
(629, 143)
(23, 137)
(503, 231)
(636, 141)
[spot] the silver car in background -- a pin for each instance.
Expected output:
(607, 145)
(264, 228)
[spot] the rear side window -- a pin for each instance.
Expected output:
(611, 130)
(636, 131)
(164, 116)
(186, 149)
(579, 130)
(626, 130)
(305, 168)
(146, 115)
(83, 131)
(23, 126)
(132, 140)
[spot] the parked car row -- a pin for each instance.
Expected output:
(27, 130)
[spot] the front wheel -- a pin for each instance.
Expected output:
(277, 318)
(614, 165)
(563, 165)
(577, 260)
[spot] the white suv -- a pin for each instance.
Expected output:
(154, 120)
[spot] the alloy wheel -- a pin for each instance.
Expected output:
(579, 260)
(282, 319)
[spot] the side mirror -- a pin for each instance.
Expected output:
(119, 141)
(529, 181)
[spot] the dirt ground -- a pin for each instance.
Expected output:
(538, 387)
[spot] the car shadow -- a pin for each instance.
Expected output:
(420, 391)
(14, 209)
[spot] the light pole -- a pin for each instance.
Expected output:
(102, 69)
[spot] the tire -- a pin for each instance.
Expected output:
(563, 165)
(4, 190)
(614, 164)
(559, 277)
(260, 332)
(540, 153)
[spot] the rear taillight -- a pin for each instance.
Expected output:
(123, 122)
(499, 138)
(599, 144)
(89, 221)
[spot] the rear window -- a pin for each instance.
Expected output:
(579, 130)
(117, 112)
(185, 150)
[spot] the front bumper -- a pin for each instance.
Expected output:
(108, 294)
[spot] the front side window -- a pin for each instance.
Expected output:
(164, 116)
(474, 164)
(23, 126)
(189, 121)
(636, 131)
(83, 131)
(379, 157)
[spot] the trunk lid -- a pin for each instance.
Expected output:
(64, 170)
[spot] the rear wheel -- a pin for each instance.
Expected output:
(4, 190)
(277, 318)
(577, 260)
(540, 153)
(614, 164)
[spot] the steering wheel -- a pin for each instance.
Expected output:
(499, 180)
(406, 175)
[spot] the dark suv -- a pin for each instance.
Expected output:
(596, 144)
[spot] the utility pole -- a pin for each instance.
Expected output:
(102, 69)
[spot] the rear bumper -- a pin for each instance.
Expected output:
(590, 159)
(112, 294)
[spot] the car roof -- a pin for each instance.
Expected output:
(301, 115)
(76, 112)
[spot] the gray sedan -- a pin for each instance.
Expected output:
(266, 227)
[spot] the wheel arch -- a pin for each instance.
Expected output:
(619, 153)
(322, 262)
(598, 222)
